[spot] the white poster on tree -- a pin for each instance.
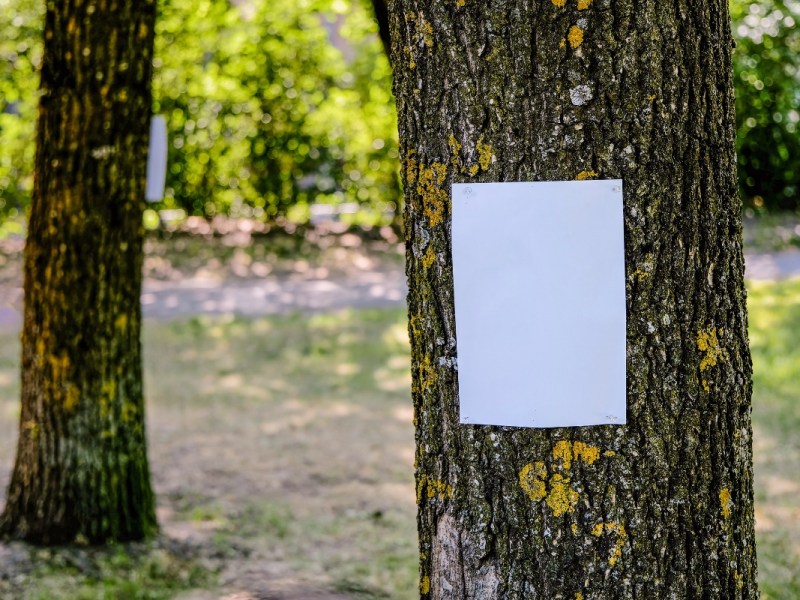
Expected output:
(539, 277)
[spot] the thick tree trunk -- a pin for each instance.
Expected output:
(81, 472)
(514, 90)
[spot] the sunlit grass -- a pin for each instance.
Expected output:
(302, 458)
(282, 452)
(774, 310)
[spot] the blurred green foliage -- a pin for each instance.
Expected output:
(20, 54)
(274, 105)
(767, 80)
(271, 105)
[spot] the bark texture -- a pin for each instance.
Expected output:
(81, 472)
(517, 90)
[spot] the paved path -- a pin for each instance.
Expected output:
(274, 295)
(363, 289)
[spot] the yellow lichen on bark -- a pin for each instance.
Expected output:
(429, 187)
(485, 155)
(725, 503)
(583, 451)
(531, 480)
(584, 4)
(563, 451)
(567, 451)
(584, 175)
(128, 413)
(433, 488)
(71, 397)
(428, 258)
(411, 167)
(561, 498)
(425, 585)
(708, 343)
(427, 32)
(455, 149)
(427, 374)
(415, 325)
(59, 366)
(439, 489)
(559, 3)
(575, 36)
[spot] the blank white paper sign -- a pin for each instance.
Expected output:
(539, 277)
(156, 159)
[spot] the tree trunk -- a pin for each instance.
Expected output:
(81, 472)
(575, 89)
(381, 12)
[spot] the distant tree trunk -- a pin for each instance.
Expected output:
(81, 472)
(382, 17)
(512, 90)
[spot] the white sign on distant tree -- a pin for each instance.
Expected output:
(157, 159)
(540, 303)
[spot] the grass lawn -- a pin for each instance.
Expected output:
(774, 310)
(282, 453)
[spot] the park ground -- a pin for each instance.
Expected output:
(279, 423)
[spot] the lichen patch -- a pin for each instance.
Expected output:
(428, 258)
(725, 503)
(563, 451)
(580, 95)
(485, 155)
(531, 480)
(425, 585)
(585, 452)
(429, 186)
(562, 498)
(575, 36)
(708, 344)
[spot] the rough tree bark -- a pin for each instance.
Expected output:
(81, 472)
(516, 90)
